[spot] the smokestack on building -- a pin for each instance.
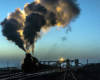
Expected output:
(76, 63)
(87, 61)
(24, 27)
(68, 62)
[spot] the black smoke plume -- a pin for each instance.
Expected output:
(24, 27)
(9, 30)
(33, 25)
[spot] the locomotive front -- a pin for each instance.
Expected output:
(30, 63)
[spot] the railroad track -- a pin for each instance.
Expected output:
(24, 76)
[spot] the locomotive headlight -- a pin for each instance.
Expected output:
(36, 63)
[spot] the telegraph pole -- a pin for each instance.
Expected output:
(7, 64)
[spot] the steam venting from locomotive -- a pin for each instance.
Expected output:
(24, 27)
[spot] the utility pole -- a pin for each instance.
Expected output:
(7, 64)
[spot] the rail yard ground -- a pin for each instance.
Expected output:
(87, 72)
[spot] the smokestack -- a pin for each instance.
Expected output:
(28, 55)
(24, 27)
(87, 61)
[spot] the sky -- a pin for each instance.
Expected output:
(82, 42)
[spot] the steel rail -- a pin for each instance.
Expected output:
(22, 75)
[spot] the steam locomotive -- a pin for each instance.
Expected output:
(31, 64)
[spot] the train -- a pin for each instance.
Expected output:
(31, 64)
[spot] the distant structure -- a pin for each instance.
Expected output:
(87, 61)
(76, 63)
(9, 68)
(67, 61)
